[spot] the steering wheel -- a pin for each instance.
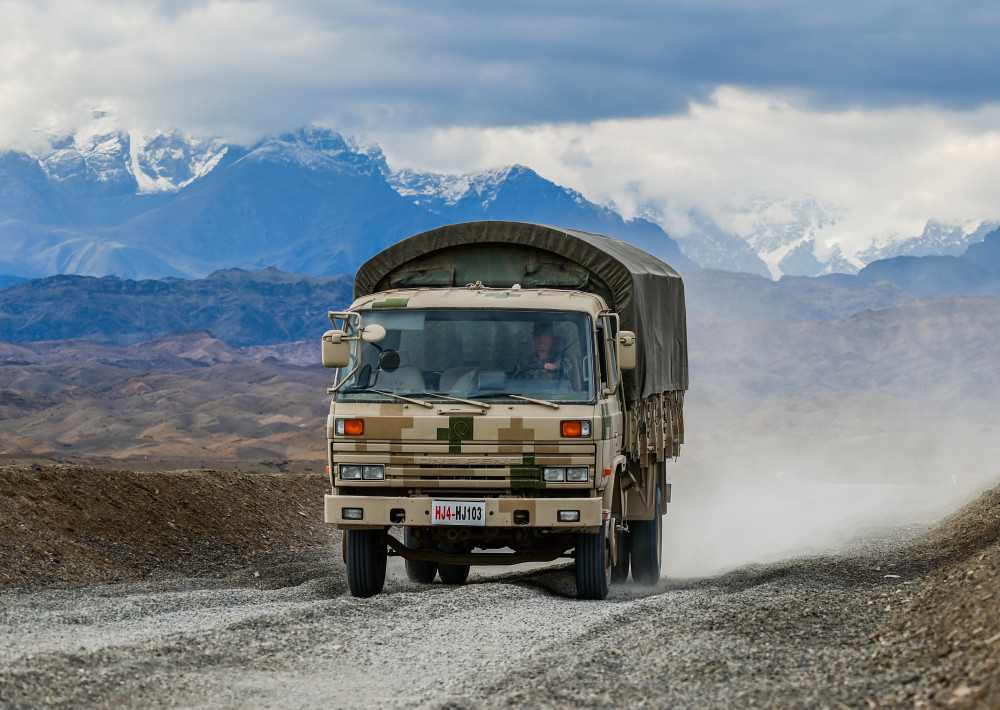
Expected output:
(522, 374)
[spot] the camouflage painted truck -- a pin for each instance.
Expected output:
(506, 393)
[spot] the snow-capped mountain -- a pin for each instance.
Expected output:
(705, 243)
(937, 239)
(167, 162)
(103, 159)
(771, 238)
(96, 160)
(518, 193)
(105, 202)
(474, 191)
(432, 190)
(319, 149)
(785, 238)
(783, 233)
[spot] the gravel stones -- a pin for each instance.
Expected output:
(891, 622)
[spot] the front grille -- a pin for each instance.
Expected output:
(460, 478)
(435, 476)
(441, 466)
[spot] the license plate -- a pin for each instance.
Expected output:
(454, 512)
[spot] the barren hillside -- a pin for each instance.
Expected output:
(187, 398)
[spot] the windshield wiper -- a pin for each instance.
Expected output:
(546, 402)
(442, 395)
(421, 402)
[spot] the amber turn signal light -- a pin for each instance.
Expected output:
(350, 427)
(575, 428)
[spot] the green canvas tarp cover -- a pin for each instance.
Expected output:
(647, 294)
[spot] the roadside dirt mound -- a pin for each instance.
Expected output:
(66, 525)
(947, 621)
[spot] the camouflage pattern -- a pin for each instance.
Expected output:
(501, 448)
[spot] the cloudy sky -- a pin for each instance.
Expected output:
(884, 113)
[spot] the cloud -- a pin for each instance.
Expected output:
(879, 172)
(261, 66)
(882, 112)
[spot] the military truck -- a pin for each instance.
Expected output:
(506, 392)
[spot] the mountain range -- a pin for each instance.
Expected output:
(269, 307)
(239, 307)
(104, 202)
(783, 237)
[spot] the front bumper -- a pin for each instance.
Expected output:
(380, 511)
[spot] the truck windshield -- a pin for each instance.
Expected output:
(464, 353)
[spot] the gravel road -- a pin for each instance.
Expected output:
(286, 633)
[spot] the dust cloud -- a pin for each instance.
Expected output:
(796, 476)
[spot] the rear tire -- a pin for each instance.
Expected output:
(453, 574)
(366, 558)
(420, 571)
(647, 545)
(593, 564)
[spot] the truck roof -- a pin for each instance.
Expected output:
(478, 298)
(647, 293)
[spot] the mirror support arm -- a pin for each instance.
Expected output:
(343, 317)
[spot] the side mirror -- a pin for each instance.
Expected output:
(336, 350)
(373, 333)
(626, 350)
(389, 361)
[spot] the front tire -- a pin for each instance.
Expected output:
(366, 558)
(420, 571)
(593, 564)
(647, 546)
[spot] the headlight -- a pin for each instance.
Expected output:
(350, 472)
(578, 474)
(352, 513)
(373, 473)
(553, 473)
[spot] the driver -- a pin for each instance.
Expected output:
(544, 364)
